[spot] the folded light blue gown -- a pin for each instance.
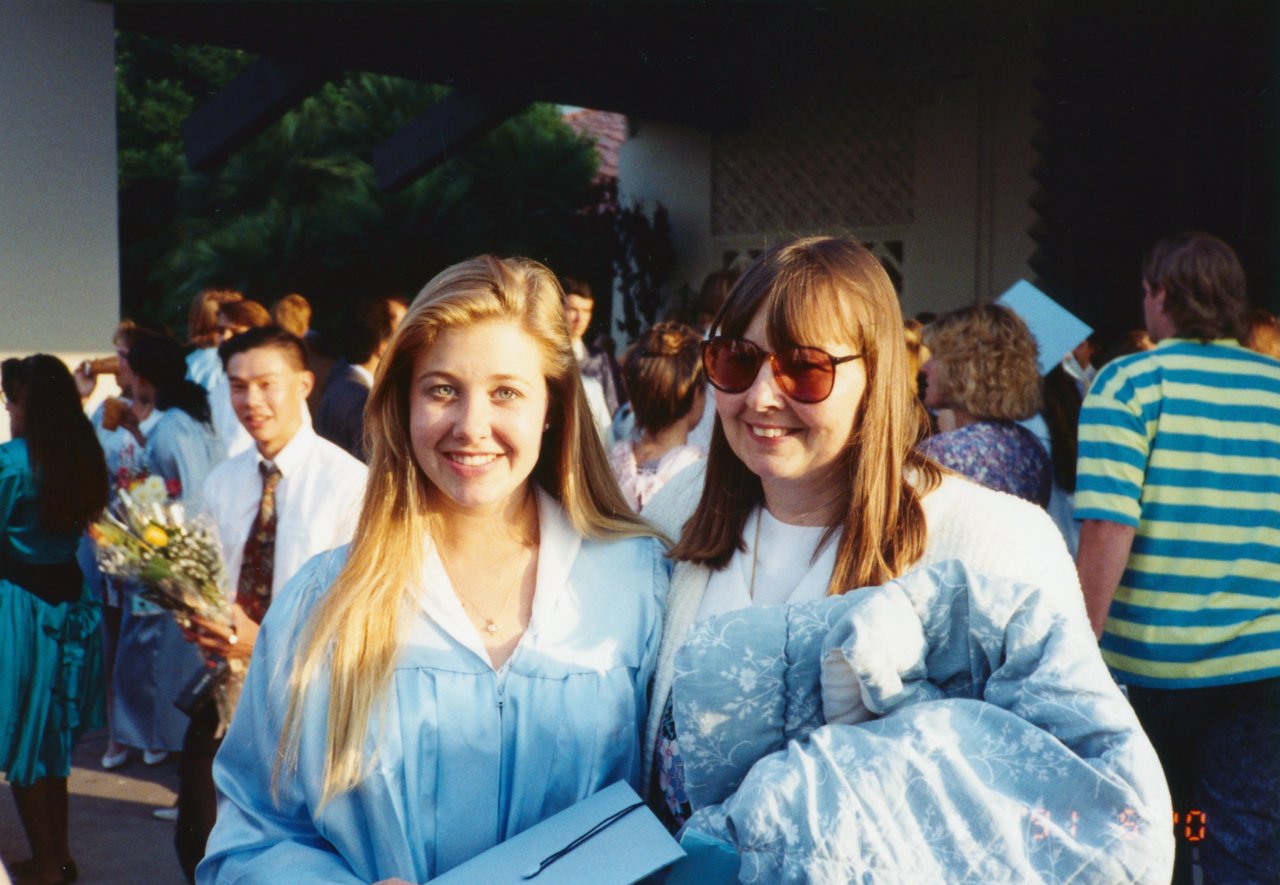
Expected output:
(983, 741)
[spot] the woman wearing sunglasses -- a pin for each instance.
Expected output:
(813, 483)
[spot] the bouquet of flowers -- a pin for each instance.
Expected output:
(146, 538)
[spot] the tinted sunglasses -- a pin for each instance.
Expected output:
(805, 374)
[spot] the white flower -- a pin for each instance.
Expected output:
(149, 492)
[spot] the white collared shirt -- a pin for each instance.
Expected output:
(317, 503)
(363, 374)
(558, 545)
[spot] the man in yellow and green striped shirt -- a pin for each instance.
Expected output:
(1178, 491)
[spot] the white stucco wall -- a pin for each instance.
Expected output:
(59, 274)
(973, 159)
(941, 262)
(671, 165)
(1012, 95)
(974, 184)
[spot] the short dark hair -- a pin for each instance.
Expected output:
(371, 323)
(575, 286)
(295, 352)
(158, 359)
(1203, 282)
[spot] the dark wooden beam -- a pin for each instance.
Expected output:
(246, 106)
(446, 128)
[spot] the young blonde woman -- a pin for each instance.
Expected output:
(478, 658)
(814, 487)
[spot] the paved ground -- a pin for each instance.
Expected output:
(114, 838)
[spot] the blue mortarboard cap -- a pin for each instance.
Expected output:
(1057, 330)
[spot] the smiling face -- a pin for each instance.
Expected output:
(477, 407)
(795, 448)
(267, 393)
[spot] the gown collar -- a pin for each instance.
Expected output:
(558, 548)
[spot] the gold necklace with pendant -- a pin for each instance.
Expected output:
(490, 624)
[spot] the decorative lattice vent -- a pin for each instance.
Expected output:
(844, 159)
(891, 252)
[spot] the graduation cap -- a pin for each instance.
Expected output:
(1057, 330)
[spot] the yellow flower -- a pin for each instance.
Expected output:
(155, 536)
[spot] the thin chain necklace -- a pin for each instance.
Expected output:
(490, 624)
(755, 556)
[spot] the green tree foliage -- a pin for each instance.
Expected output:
(298, 210)
(643, 259)
(158, 85)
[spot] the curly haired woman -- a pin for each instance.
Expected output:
(983, 368)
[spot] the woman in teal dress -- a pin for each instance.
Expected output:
(53, 482)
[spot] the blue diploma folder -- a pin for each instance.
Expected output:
(624, 851)
(1057, 330)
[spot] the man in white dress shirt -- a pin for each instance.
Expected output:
(597, 375)
(275, 506)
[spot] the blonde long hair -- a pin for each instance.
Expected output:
(806, 288)
(354, 631)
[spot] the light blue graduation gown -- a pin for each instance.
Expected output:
(464, 759)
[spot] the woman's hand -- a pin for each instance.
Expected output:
(216, 639)
(129, 421)
(86, 379)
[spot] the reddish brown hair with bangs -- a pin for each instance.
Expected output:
(812, 290)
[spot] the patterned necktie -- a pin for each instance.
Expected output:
(253, 591)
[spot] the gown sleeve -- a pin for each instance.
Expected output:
(11, 483)
(653, 638)
(178, 452)
(164, 453)
(258, 839)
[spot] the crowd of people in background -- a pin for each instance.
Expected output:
(782, 449)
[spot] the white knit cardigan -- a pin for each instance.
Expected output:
(991, 532)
